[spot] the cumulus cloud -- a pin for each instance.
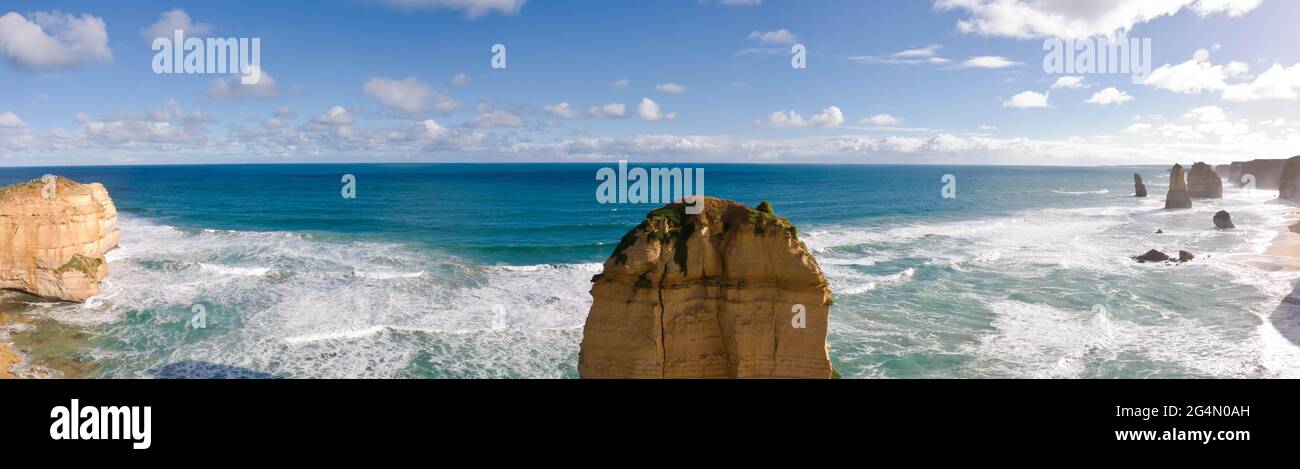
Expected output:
(670, 88)
(336, 115)
(1028, 19)
(620, 84)
(408, 95)
(460, 79)
(609, 111)
(50, 41)
(1196, 75)
(881, 120)
(779, 37)
(924, 55)
(1027, 100)
(170, 21)
(11, 121)
(231, 88)
(1109, 96)
(649, 111)
(1278, 82)
(471, 8)
(829, 117)
(562, 109)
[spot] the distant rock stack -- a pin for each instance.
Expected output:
(1139, 189)
(1177, 196)
(1223, 220)
(1289, 183)
(1266, 173)
(1203, 183)
(1234, 173)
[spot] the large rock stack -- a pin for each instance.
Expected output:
(1177, 197)
(728, 293)
(1139, 189)
(1202, 182)
(53, 236)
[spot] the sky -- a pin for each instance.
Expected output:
(688, 81)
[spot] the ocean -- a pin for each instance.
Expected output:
(1026, 273)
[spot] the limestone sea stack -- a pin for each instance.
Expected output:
(1202, 182)
(1289, 183)
(1139, 189)
(728, 293)
(1177, 196)
(53, 236)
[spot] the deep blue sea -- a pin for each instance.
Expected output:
(1025, 273)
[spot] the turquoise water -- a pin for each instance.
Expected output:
(1024, 274)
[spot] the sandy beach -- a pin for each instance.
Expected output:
(1285, 249)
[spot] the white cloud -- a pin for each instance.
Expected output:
(1109, 96)
(471, 8)
(231, 88)
(1068, 82)
(829, 117)
(1278, 82)
(988, 61)
(609, 111)
(49, 41)
(620, 84)
(670, 88)
(1028, 19)
(409, 95)
(779, 37)
(1195, 75)
(490, 118)
(334, 116)
(881, 120)
(1027, 100)
(927, 51)
(649, 111)
(170, 21)
(460, 79)
(562, 110)
(11, 120)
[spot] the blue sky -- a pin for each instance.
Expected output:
(79, 87)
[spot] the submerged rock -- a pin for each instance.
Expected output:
(1203, 182)
(1177, 197)
(1153, 256)
(53, 236)
(728, 293)
(1139, 189)
(1223, 220)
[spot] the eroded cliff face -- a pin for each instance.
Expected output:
(1266, 173)
(53, 236)
(1289, 182)
(1202, 182)
(728, 293)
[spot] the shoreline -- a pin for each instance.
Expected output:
(1285, 246)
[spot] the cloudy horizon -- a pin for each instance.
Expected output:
(698, 81)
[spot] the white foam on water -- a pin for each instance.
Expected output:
(1098, 192)
(293, 305)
